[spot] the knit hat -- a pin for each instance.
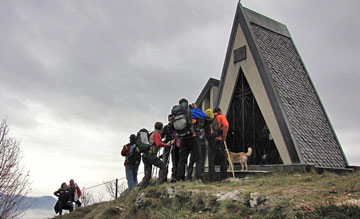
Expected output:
(209, 113)
(132, 137)
(183, 100)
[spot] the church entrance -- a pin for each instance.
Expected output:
(247, 127)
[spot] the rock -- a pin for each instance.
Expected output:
(219, 194)
(351, 202)
(238, 180)
(236, 195)
(207, 193)
(121, 208)
(170, 192)
(140, 201)
(257, 199)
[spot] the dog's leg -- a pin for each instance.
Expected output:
(242, 166)
(246, 167)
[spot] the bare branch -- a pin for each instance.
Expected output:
(14, 183)
(87, 198)
(111, 189)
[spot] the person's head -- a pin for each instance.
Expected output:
(217, 110)
(193, 106)
(132, 138)
(64, 185)
(158, 126)
(183, 100)
(71, 182)
(170, 118)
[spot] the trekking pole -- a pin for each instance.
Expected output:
(168, 159)
(230, 161)
(156, 168)
(153, 173)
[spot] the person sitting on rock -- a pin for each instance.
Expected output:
(64, 199)
(75, 193)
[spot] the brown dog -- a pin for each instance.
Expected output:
(241, 158)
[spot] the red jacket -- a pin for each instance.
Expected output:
(157, 140)
(125, 152)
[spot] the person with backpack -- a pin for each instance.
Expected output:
(200, 118)
(150, 157)
(184, 126)
(216, 133)
(131, 162)
(201, 144)
(167, 135)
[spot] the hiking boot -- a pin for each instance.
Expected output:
(199, 181)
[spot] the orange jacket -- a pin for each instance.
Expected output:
(194, 121)
(223, 124)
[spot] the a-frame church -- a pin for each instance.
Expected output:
(269, 99)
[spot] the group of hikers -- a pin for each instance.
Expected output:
(68, 197)
(189, 131)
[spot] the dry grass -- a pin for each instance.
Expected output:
(290, 195)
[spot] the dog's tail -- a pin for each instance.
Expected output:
(249, 152)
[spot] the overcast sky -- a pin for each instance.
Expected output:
(78, 77)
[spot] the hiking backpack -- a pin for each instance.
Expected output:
(213, 130)
(182, 120)
(141, 146)
(134, 156)
(142, 140)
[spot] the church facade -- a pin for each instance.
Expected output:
(269, 99)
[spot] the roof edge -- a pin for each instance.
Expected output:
(267, 22)
(211, 82)
(280, 115)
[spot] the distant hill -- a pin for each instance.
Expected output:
(37, 207)
(43, 202)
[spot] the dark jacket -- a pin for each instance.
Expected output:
(168, 133)
(63, 195)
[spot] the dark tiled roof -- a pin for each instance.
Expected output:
(309, 125)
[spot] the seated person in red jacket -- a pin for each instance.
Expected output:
(75, 192)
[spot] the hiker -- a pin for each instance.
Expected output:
(64, 199)
(216, 147)
(131, 167)
(150, 157)
(75, 193)
(175, 156)
(201, 144)
(169, 134)
(200, 118)
(188, 142)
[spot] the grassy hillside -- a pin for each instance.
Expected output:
(284, 195)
